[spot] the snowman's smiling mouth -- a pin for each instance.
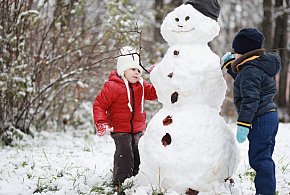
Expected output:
(181, 30)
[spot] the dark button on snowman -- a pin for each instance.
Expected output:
(187, 144)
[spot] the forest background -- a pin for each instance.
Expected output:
(56, 54)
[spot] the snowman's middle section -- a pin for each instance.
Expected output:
(189, 75)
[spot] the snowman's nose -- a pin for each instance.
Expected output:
(180, 26)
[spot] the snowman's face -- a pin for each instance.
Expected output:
(185, 24)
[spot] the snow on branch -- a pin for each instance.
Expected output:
(26, 13)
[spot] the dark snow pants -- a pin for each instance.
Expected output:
(262, 143)
(126, 157)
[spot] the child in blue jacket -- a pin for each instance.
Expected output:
(253, 72)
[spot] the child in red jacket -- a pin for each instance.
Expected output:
(118, 109)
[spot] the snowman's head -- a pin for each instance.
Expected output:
(186, 24)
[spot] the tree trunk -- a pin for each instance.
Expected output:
(280, 42)
(267, 23)
(176, 3)
(159, 7)
(288, 105)
(160, 12)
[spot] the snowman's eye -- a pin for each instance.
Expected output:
(177, 19)
(187, 18)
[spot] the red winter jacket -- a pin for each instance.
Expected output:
(111, 105)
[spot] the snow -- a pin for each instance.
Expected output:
(78, 162)
(19, 79)
(21, 16)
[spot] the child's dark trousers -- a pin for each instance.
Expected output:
(126, 157)
(262, 143)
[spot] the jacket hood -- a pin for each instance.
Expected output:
(269, 63)
(115, 77)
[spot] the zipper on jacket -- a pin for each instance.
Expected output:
(133, 108)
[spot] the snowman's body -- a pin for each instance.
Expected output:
(190, 77)
(203, 150)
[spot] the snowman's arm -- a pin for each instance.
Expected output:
(214, 77)
(215, 82)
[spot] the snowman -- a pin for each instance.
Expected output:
(187, 145)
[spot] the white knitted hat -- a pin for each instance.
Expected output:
(128, 61)
(123, 64)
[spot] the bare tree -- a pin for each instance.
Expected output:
(161, 10)
(280, 43)
(159, 14)
(268, 23)
(50, 52)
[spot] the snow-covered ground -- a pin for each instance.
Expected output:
(79, 162)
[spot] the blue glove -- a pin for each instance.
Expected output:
(226, 59)
(242, 133)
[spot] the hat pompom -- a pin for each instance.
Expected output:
(128, 59)
(248, 39)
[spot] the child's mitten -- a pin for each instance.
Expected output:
(227, 59)
(242, 133)
(103, 128)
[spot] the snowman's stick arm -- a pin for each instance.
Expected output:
(132, 54)
(136, 30)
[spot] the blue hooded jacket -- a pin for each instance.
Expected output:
(254, 85)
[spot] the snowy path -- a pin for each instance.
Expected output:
(80, 163)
